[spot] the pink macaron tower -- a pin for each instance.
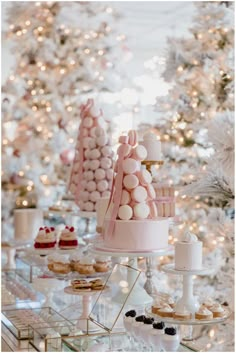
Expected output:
(132, 211)
(92, 169)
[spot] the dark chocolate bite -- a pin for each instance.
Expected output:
(147, 321)
(170, 331)
(140, 318)
(159, 325)
(131, 313)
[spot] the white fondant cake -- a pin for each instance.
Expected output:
(153, 147)
(188, 253)
(137, 235)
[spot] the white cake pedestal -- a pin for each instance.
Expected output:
(87, 302)
(188, 300)
(139, 295)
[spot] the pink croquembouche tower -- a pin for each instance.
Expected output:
(132, 221)
(92, 170)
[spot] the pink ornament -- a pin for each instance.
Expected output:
(67, 156)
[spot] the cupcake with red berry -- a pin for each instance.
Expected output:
(45, 238)
(68, 238)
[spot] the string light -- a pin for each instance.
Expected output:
(180, 69)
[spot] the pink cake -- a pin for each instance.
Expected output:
(92, 169)
(131, 222)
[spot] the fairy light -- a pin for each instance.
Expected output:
(25, 203)
(48, 109)
(11, 77)
(47, 159)
(27, 23)
(39, 128)
(92, 59)
(69, 109)
(33, 92)
(100, 52)
(43, 68)
(21, 173)
(199, 36)
(40, 29)
(180, 69)
(5, 141)
(34, 108)
(62, 71)
(109, 9)
(87, 51)
(71, 140)
(44, 178)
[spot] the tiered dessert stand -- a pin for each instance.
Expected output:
(188, 301)
(139, 295)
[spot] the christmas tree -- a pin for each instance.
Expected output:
(202, 68)
(64, 53)
(197, 132)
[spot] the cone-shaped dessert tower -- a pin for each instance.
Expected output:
(92, 169)
(131, 221)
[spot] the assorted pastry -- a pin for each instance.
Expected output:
(83, 285)
(47, 239)
(152, 333)
(164, 306)
(76, 262)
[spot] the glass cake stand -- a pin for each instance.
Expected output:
(88, 236)
(140, 295)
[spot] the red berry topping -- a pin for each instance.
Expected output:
(72, 229)
(67, 227)
(41, 228)
(52, 229)
(47, 230)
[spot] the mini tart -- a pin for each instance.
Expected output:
(96, 284)
(203, 314)
(84, 269)
(217, 310)
(182, 316)
(165, 311)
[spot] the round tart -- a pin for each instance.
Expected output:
(165, 311)
(203, 314)
(217, 310)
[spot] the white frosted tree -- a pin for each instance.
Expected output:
(64, 53)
